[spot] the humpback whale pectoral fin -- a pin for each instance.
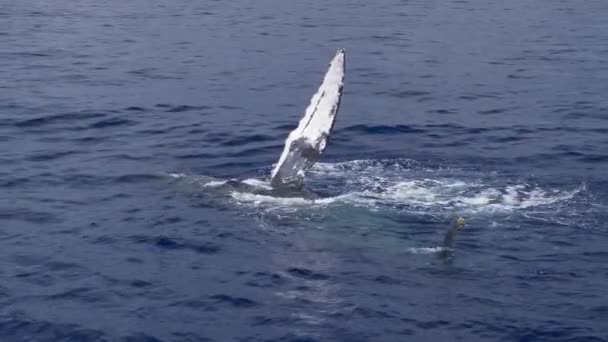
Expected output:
(290, 183)
(306, 143)
(300, 157)
(311, 154)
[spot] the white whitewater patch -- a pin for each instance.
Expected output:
(258, 183)
(365, 165)
(473, 196)
(406, 185)
(399, 185)
(414, 196)
(276, 202)
(198, 180)
(214, 184)
(428, 250)
(290, 203)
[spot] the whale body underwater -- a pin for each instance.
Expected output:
(306, 143)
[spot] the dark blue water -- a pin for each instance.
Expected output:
(116, 115)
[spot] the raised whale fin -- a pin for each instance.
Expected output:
(306, 143)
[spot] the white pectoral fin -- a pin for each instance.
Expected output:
(306, 143)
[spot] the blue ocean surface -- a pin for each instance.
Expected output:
(118, 120)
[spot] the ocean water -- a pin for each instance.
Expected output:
(119, 119)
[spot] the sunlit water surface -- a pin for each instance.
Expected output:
(120, 121)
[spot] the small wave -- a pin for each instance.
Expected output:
(112, 122)
(363, 165)
(50, 155)
(197, 179)
(214, 184)
(169, 243)
(237, 302)
(307, 274)
(383, 129)
(428, 250)
(55, 118)
(135, 109)
(136, 178)
(17, 324)
(182, 108)
(258, 183)
(27, 215)
(211, 182)
(240, 141)
(277, 202)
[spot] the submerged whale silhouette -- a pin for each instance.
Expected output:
(306, 143)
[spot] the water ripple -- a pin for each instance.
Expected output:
(120, 120)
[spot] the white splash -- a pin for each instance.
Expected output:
(214, 184)
(277, 202)
(258, 183)
(407, 185)
(402, 185)
(428, 250)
